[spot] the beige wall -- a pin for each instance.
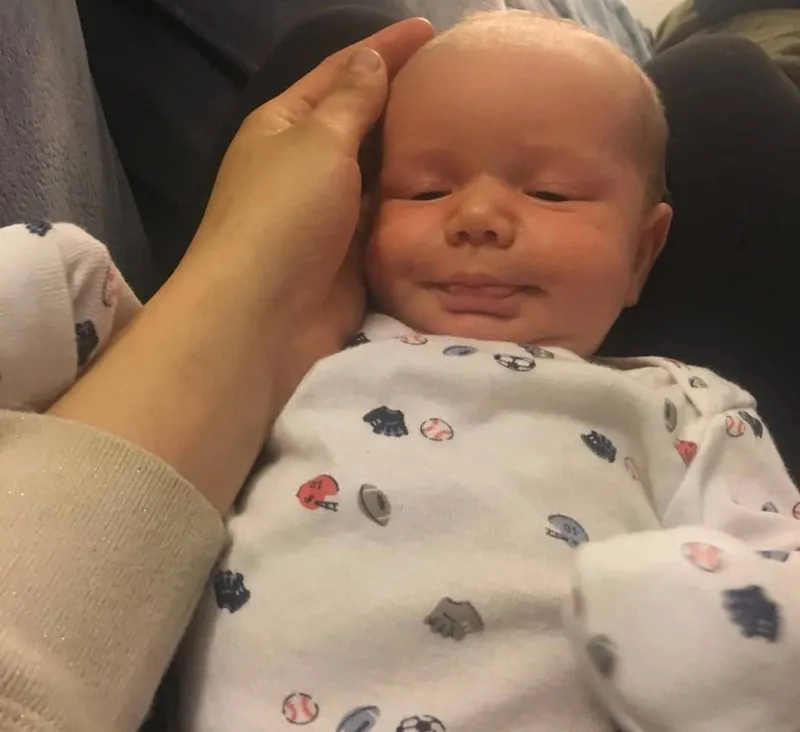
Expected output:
(651, 12)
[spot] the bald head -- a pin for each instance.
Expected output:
(646, 130)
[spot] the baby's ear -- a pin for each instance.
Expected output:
(652, 237)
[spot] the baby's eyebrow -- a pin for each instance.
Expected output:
(554, 152)
(428, 157)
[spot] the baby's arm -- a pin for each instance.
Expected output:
(61, 300)
(696, 628)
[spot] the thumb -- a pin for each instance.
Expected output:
(356, 101)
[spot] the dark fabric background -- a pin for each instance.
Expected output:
(174, 78)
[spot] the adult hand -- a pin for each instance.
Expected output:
(266, 288)
(286, 200)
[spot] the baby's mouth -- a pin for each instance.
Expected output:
(491, 292)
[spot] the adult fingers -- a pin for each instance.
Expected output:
(396, 44)
(355, 102)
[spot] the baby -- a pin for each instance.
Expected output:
(468, 523)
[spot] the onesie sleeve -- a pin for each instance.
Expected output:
(61, 301)
(697, 626)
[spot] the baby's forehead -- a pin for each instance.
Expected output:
(522, 62)
(519, 77)
(542, 46)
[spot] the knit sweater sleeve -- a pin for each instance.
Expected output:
(104, 552)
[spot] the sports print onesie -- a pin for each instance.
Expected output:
(454, 535)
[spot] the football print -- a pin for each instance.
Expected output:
(374, 504)
(603, 654)
(362, 719)
(566, 529)
(670, 415)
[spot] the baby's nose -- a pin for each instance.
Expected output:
(482, 220)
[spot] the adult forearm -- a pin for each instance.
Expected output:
(197, 380)
(266, 288)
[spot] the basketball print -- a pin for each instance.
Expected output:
(300, 709)
(436, 430)
(707, 557)
(414, 339)
(734, 426)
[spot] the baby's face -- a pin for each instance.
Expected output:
(511, 206)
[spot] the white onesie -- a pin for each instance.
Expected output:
(61, 301)
(455, 536)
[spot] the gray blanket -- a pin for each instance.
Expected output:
(57, 161)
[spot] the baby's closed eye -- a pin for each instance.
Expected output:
(429, 195)
(549, 196)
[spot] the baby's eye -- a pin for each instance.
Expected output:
(548, 196)
(429, 195)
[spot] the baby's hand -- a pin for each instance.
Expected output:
(688, 630)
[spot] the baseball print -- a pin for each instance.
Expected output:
(300, 709)
(413, 339)
(734, 426)
(436, 430)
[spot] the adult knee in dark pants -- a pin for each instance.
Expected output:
(723, 293)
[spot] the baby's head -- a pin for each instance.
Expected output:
(521, 185)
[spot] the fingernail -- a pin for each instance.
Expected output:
(365, 60)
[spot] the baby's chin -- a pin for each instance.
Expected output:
(478, 326)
